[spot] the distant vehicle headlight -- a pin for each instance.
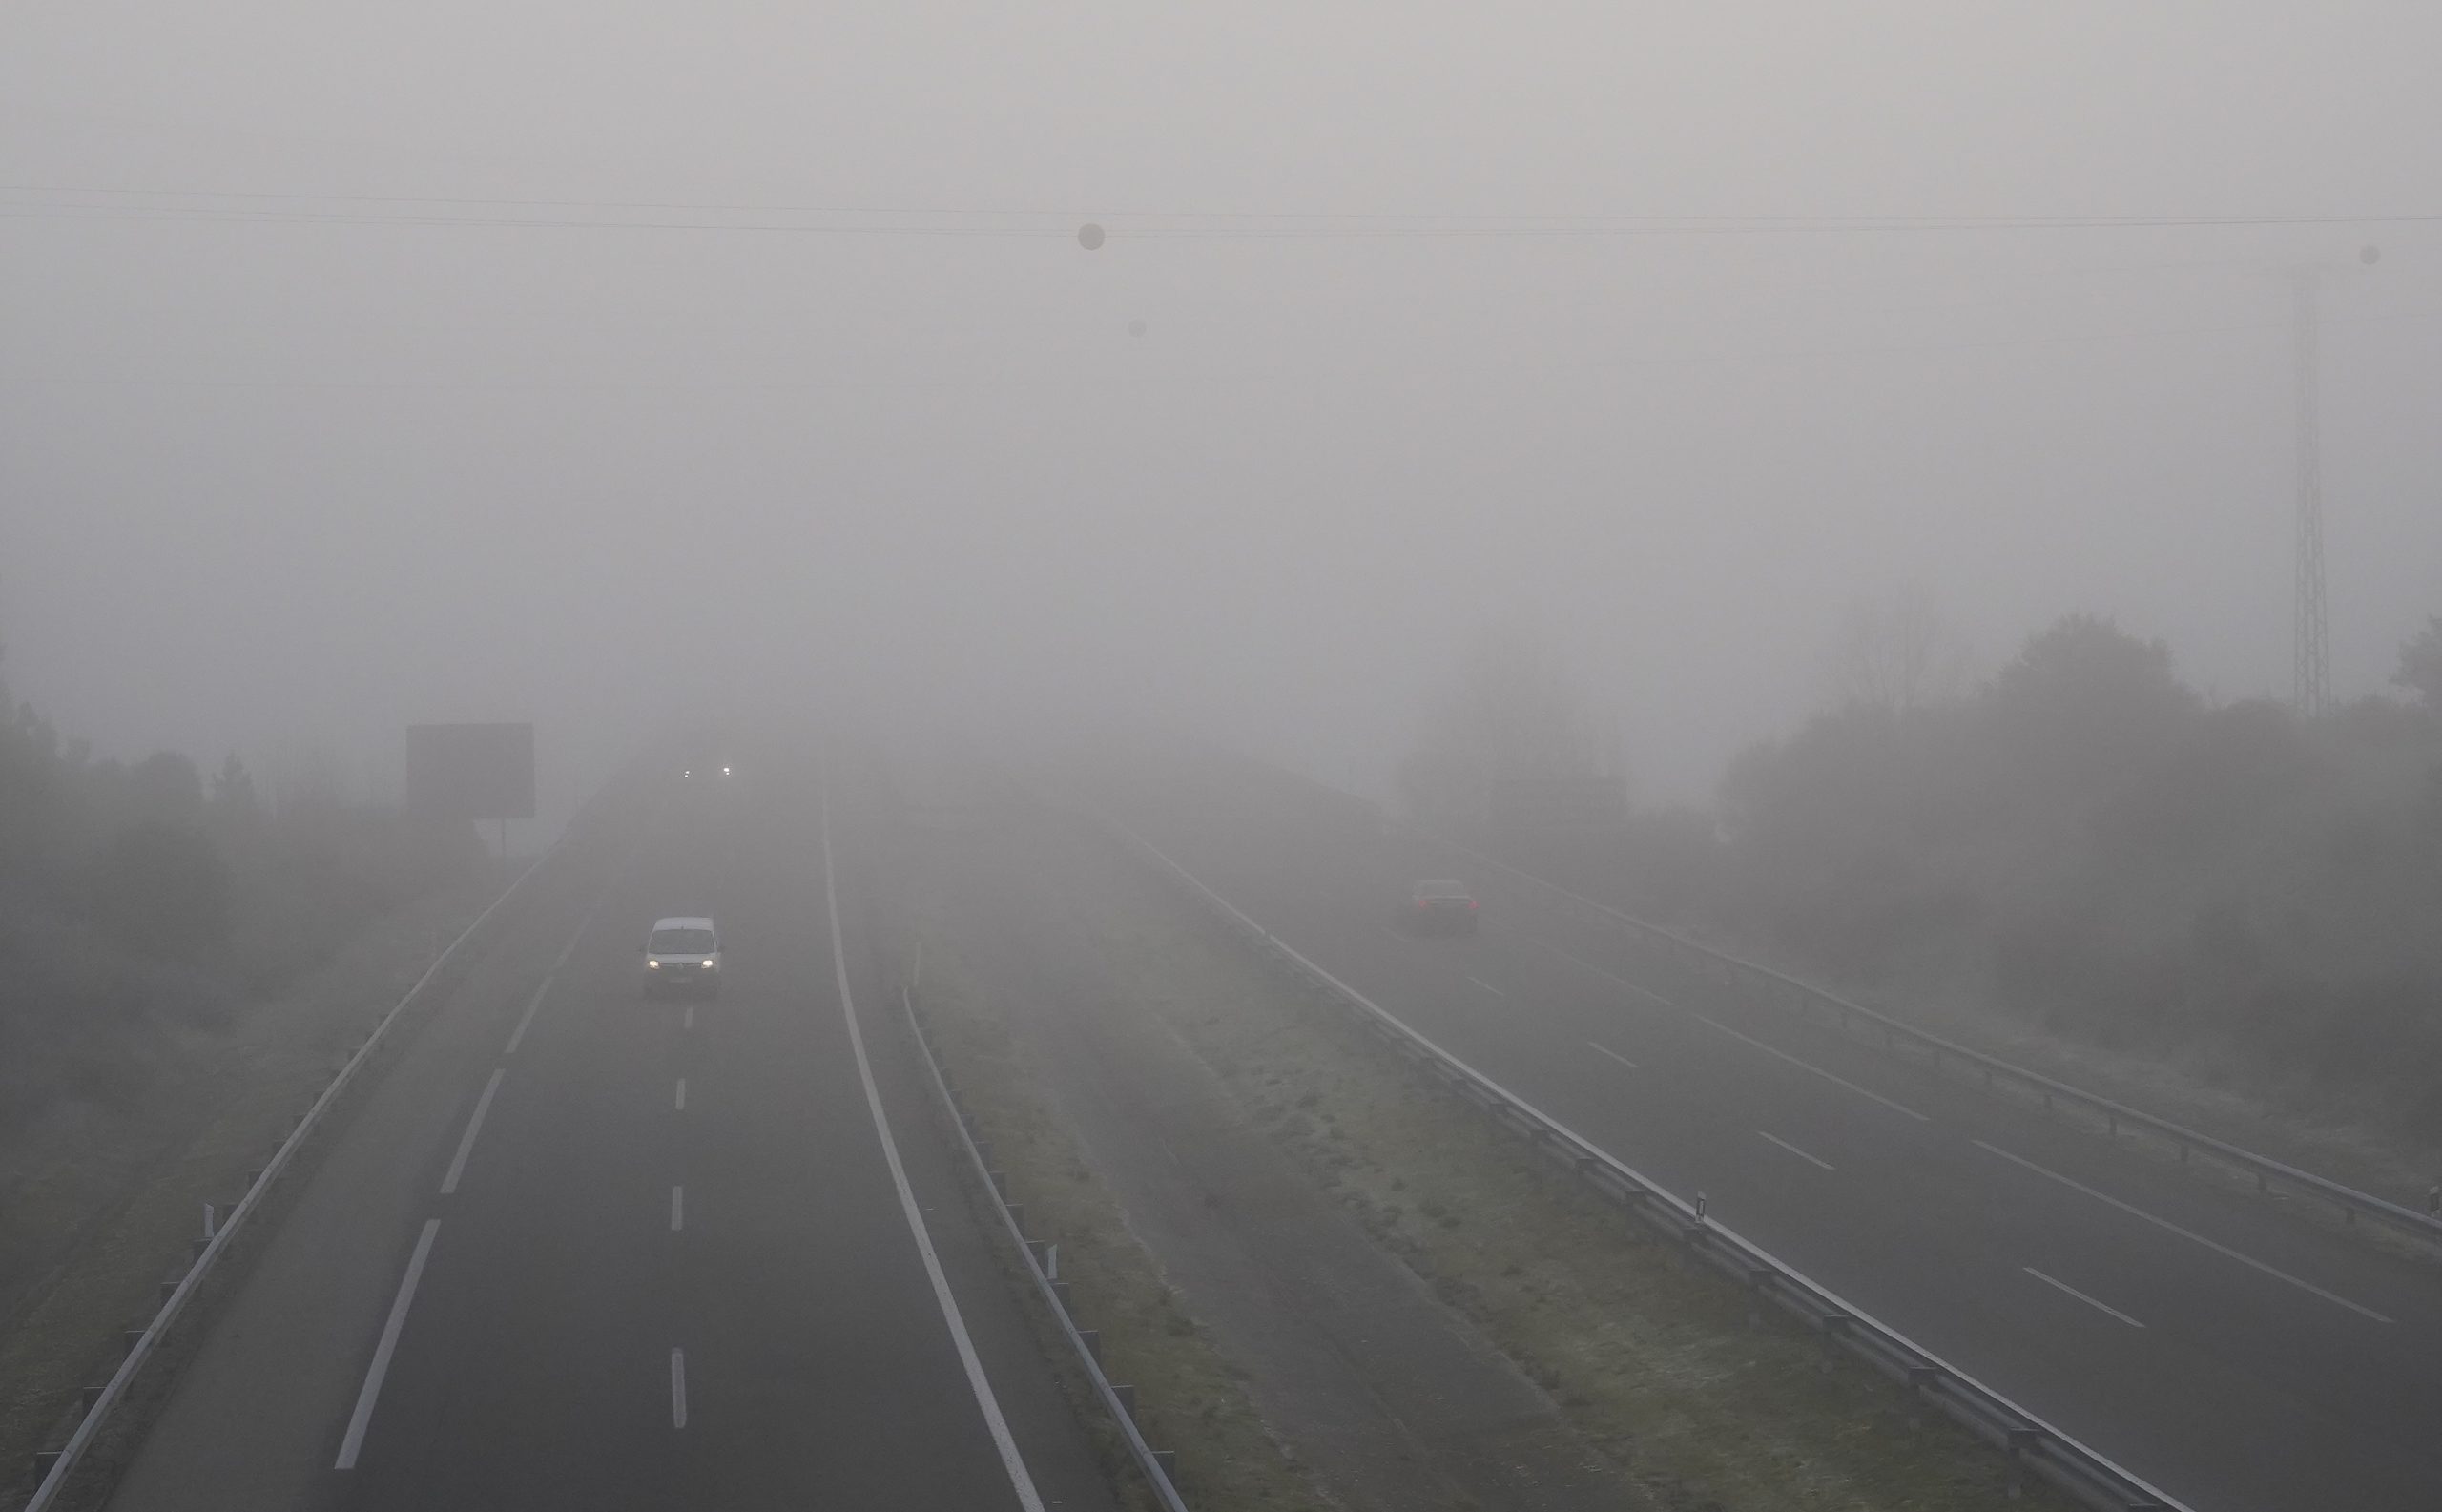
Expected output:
(724, 770)
(652, 965)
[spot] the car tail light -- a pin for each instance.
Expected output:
(1471, 906)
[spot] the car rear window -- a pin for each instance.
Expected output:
(1439, 890)
(682, 942)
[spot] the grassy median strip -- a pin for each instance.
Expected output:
(1655, 1362)
(1189, 1398)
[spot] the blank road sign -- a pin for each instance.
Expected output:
(471, 771)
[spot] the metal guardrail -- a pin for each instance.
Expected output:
(1769, 986)
(1041, 1265)
(108, 1398)
(2034, 1445)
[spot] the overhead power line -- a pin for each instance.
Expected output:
(58, 201)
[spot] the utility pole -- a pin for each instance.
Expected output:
(2311, 645)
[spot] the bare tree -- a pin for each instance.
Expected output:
(1896, 652)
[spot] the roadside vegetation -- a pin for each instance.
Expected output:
(2086, 844)
(141, 903)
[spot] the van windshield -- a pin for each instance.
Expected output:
(682, 943)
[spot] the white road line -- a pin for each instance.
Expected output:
(1794, 1150)
(2184, 1234)
(1808, 1065)
(1613, 1054)
(350, 1445)
(587, 922)
(682, 1094)
(677, 1387)
(466, 1141)
(677, 1208)
(528, 1017)
(2053, 1280)
(1488, 986)
(1011, 1461)
(1612, 977)
(689, 1022)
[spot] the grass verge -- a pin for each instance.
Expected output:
(1190, 1398)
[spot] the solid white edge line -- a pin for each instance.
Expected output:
(1808, 1065)
(363, 1418)
(1021, 1482)
(2215, 1246)
(1488, 986)
(677, 1208)
(1794, 1150)
(2105, 1307)
(466, 1141)
(677, 1387)
(1613, 1054)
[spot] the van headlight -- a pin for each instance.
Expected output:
(652, 965)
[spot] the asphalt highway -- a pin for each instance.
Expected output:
(2239, 1359)
(585, 1250)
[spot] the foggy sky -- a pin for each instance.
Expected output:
(295, 471)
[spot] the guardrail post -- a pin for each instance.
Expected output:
(1920, 1380)
(2022, 1442)
(1126, 1396)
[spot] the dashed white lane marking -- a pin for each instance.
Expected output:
(528, 1017)
(466, 1141)
(682, 1094)
(1617, 979)
(689, 1022)
(1809, 1067)
(677, 1208)
(2105, 1307)
(1612, 977)
(2223, 1250)
(582, 925)
(1605, 1049)
(1012, 1463)
(677, 1387)
(363, 1418)
(1794, 1150)
(1488, 986)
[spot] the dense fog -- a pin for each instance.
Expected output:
(597, 364)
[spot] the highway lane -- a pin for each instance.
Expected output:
(672, 1265)
(2240, 1360)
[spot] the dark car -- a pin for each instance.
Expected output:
(1437, 908)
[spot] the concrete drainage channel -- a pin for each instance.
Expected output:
(1042, 1257)
(1762, 984)
(2033, 1445)
(221, 1226)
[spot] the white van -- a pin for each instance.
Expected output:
(683, 956)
